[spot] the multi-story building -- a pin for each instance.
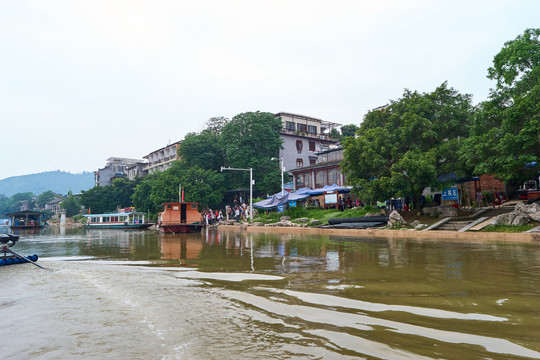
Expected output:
(303, 137)
(162, 159)
(54, 205)
(325, 170)
(136, 170)
(114, 168)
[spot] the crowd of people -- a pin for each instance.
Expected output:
(212, 217)
(238, 211)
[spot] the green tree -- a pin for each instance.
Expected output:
(14, 203)
(103, 199)
(202, 150)
(97, 199)
(504, 136)
(199, 185)
(348, 130)
(402, 149)
(334, 133)
(44, 198)
(122, 191)
(250, 140)
(141, 195)
(4, 204)
(71, 205)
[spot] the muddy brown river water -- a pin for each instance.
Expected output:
(113, 294)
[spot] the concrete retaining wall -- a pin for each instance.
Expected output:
(447, 236)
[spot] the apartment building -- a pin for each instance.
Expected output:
(303, 138)
(162, 159)
(324, 171)
(115, 168)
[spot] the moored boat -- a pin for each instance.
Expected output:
(26, 220)
(119, 220)
(180, 217)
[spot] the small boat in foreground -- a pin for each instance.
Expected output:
(121, 220)
(180, 217)
(8, 256)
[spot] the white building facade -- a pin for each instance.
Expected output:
(115, 168)
(303, 138)
(162, 159)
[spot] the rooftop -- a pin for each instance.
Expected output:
(327, 124)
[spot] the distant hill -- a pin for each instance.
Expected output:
(59, 182)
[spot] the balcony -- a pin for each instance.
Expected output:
(323, 137)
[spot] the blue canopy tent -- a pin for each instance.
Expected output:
(303, 191)
(279, 199)
(333, 187)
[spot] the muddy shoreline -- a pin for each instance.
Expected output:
(446, 236)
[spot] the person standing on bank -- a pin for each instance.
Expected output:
(497, 199)
(479, 197)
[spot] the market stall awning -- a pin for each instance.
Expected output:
(330, 188)
(303, 191)
(279, 199)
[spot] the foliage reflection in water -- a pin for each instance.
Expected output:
(241, 295)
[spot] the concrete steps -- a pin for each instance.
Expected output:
(474, 222)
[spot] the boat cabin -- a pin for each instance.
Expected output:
(179, 213)
(121, 220)
(25, 220)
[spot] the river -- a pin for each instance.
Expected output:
(113, 294)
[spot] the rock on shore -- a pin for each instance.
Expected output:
(522, 215)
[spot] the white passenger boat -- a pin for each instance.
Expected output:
(120, 220)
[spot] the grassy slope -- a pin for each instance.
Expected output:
(315, 214)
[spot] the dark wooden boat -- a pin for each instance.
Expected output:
(357, 222)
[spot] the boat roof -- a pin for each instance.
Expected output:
(25, 212)
(180, 202)
(116, 214)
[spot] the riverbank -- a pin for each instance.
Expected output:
(447, 236)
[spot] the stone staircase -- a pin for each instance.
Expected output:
(474, 222)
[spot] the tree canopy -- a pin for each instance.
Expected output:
(205, 149)
(199, 185)
(250, 140)
(45, 197)
(71, 205)
(504, 137)
(103, 199)
(403, 148)
(348, 130)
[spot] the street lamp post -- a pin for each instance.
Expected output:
(282, 171)
(250, 187)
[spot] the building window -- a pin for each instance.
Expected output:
(302, 127)
(307, 179)
(289, 125)
(300, 181)
(333, 176)
(299, 146)
(312, 129)
(321, 178)
(312, 161)
(299, 163)
(312, 146)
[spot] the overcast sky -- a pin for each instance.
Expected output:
(82, 81)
